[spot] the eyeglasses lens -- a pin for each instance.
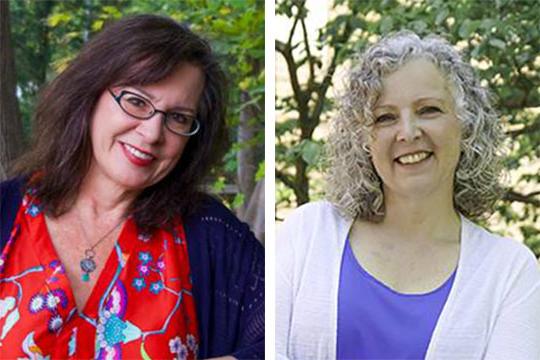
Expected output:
(137, 106)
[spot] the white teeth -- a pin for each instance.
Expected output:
(137, 153)
(413, 158)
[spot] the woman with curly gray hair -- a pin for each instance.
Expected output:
(392, 265)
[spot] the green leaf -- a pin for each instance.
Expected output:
(259, 175)
(386, 24)
(498, 43)
(97, 25)
(311, 152)
(419, 26)
(55, 19)
(467, 28)
(219, 185)
(238, 201)
(441, 16)
(113, 11)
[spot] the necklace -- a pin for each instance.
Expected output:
(88, 265)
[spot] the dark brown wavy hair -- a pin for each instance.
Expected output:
(137, 50)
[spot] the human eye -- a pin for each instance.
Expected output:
(429, 110)
(179, 118)
(384, 118)
(136, 101)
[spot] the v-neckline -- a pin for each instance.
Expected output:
(119, 252)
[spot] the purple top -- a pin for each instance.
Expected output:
(376, 322)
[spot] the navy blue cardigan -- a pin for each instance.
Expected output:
(227, 268)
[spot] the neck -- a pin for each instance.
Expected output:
(102, 202)
(427, 218)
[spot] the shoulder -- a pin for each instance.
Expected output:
(318, 213)
(496, 246)
(11, 185)
(500, 257)
(11, 192)
(212, 213)
(214, 226)
(316, 226)
(10, 199)
(227, 268)
(216, 237)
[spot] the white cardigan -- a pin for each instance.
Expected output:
(492, 311)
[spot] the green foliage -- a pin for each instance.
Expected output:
(50, 33)
(259, 175)
(502, 40)
(532, 238)
(238, 201)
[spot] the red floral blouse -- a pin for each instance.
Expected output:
(140, 307)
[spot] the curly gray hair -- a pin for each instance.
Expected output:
(352, 182)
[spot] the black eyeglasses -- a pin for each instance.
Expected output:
(140, 108)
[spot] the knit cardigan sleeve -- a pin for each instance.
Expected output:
(287, 235)
(309, 246)
(227, 265)
(516, 332)
(10, 199)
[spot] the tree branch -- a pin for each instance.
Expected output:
(286, 52)
(327, 80)
(293, 28)
(535, 126)
(285, 179)
(523, 198)
(311, 78)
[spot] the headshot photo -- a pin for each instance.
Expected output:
(131, 180)
(407, 191)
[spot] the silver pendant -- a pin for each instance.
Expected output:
(88, 265)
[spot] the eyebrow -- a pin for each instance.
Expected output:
(421, 99)
(151, 97)
(429, 98)
(148, 95)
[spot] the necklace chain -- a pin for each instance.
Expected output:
(88, 265)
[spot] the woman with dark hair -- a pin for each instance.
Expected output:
(109, 246)
(392, 266)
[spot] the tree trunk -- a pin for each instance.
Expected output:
(247, 159)
(254, 214)
(11, 134)
(302, 190)
(43, 10)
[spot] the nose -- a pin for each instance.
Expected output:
(409, 129)
(152, 130)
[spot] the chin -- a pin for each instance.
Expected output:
(130, 181)
(418, 187)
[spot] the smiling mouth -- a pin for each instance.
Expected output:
(413, 158)
(137, 153)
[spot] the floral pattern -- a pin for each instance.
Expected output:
(156, 287)
(144, 237)
(150, 272)
(141, 274)
(178, 349)
(138, 284)
(57, 269)
(37, 303)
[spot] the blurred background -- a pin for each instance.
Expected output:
(315, 39)
(39, 38)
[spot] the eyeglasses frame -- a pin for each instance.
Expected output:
(118, 99)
